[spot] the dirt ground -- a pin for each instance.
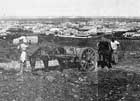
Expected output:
(71, 85)
(121, 83)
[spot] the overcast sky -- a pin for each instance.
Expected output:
(69, 7)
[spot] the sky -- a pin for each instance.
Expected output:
(42, 8)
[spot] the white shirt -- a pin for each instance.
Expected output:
(114, 45)
(23, 55)
(23, 47)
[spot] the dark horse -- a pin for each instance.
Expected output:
(45, 54)
(105, 54)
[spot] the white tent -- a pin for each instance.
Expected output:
(27, 39)
(23, 38)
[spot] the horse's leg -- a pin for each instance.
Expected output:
(45, 60)
(32, 62)
(109, 60)
(77, 63)
(61, 64)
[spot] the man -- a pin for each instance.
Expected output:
(105, 53)
(114, 46)
(23, 57)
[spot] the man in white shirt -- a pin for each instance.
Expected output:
(23, 57)
(114, 46)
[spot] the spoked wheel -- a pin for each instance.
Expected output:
(88, 59)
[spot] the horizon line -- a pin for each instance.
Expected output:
(43, 17)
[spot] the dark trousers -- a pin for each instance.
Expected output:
(105, 59)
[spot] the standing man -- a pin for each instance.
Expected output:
(114, 46)
(105, 53)
(23, 54)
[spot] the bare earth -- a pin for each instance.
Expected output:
(122, 83)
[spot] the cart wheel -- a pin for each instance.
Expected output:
(88, 59)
